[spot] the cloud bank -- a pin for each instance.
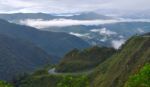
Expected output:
(40, 23)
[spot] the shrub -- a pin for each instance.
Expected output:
(5, 84)
(141, 79)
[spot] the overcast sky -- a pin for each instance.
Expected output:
(67, 6)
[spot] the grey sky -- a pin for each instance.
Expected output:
(65, 6)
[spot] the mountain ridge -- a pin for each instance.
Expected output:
(54, 43)
(115, 71)
(48, 16)
(18, 57)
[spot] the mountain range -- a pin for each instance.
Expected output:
(54, 43)
(103, 34)
(79, 54)
(24, 49)
(45, 16)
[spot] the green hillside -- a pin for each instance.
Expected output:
(115, 71)
(86, 59)
(54, 43)
(127, 68)
(18, 57)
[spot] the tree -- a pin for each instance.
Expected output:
(70, 81)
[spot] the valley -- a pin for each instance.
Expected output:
(84, 63)
(74, 43)
(115, 70)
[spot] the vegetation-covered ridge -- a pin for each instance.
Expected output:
(86, 59)
(129, 67)
(54, 43)
(115, 71)
(46, 80)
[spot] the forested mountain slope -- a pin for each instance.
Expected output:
(79, 60)
(18, 57)
(54, 43)
(115, 71)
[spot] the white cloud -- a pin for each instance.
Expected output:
(121, 36)
(104, 39)
(79, 35)
(40, 23)
(133, 20)
(104, 31)
(118, 43)
(140, 30)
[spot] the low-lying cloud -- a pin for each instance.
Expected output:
(140, 30)
(79, 35)
(40, 23)
(118, 43)
(104, 31)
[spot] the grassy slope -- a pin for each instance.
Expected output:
(115, 71)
